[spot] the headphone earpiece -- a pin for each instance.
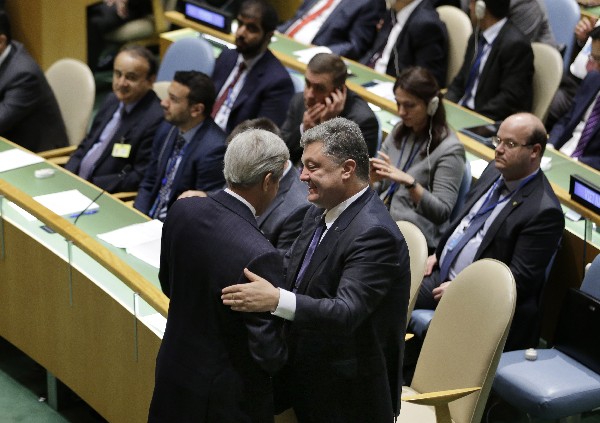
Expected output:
(479, 9)
(433, 105)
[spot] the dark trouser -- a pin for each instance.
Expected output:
(425, 297)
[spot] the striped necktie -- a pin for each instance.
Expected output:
(591, 125)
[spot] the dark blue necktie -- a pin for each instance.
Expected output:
(309, 252)
(474, 72)
(474, 226)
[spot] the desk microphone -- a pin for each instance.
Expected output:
(109, 187)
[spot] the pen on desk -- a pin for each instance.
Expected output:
(74, 215)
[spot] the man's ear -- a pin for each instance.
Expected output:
(267, 181)
(348, 168)
(197, 109)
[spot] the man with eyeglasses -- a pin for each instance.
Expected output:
(576, 133)
(511, 214)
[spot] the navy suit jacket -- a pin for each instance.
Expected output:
(29, 113)
(347, 337)
(214, 363)
(137, 129)
(266, 92)
(282, 221)
(201, 167)
(524, 236)
(423, 42)
(562, 131)
(348, 30)
(356, 109)
(505, 83)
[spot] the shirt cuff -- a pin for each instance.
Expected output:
(286, 308)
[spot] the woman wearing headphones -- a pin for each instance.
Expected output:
(421, 163)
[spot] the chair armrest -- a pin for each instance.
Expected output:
(439, 397)
(63, 151)
(126, 195)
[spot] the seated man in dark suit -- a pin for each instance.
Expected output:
(497, 73)
(29, 113)
(347, 27)
(412, 35)
(188, 148)
(576, 133)
(346, 290)
(326, 96)
(214, 365)
(511, 215)
(250, 81)
(117, 149)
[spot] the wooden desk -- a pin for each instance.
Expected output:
(80, 312)
(50, 29)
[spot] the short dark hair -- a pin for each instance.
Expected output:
(258, 123)
(144, 53)
(595, 33)
(330, 64)
(268, 14)
(202, 89)
(498, 8)
(538, 136)
(5, 25)
(342, 140)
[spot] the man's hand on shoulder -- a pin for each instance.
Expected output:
(258, 295)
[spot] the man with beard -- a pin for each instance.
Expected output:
(188, 149)
(326, 96)
(250, 81)
(121, 135)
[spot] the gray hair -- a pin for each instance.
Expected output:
(251, 155)
(342, 140)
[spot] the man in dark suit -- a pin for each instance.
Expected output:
(419, 39)
(576, 133)
(116, 150)
(346, 27)
(347, 287)
(521, 225)
(497, 73)
(214, 364)
(29, 113)
(326, 96)
(250, 81)
(188, 149)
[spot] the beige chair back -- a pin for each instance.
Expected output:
(75, 90)
(417, 250)
(459, 29)
(466, 337)
(161, 88)
(548, 69)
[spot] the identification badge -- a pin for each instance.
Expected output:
(121, 150)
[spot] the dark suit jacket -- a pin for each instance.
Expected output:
(282, 221)
(563, 129)
(29, 113)
(348, 30)
(505, 83)
(201, 167)
(266, 92)
(214, 364)
(524, 236)
(423, 42)
(347, 338)
(355, 109)
(137, 129)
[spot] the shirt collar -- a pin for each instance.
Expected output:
(332, 214)
(250, 62)
(512, 185)
(191, 133)
(5, 54)
(492, 32)
(242, 199)
(406, 11)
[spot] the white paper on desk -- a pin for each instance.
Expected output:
(148, 252)
(383, 89)
(477, 167)
(132, 235)
(17, 158)
(306, 54)
(66, 202)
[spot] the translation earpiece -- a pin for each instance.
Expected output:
(433, 105)
(479, 9)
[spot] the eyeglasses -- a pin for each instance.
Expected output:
(510, 144)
